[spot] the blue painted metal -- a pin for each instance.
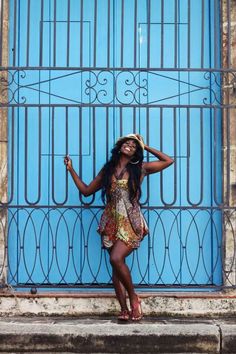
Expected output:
(81, 112)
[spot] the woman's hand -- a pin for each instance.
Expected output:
(141, 139)
(68, 162)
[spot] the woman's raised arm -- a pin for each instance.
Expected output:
(85, 189)
(163, 162)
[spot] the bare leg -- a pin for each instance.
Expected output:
(117, 258)
(119, 289)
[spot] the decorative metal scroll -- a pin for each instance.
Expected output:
(113, 87)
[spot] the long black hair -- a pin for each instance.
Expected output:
(134, 171)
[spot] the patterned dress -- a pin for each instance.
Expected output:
(121, 219)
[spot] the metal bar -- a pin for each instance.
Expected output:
(28, 34)
(97, 206)
(108, 32)
(228, 106)
(228, 165)
(15, 33)
(115, 68)
(201, 160)
(68, 35)
(81, 32)
(95, 35)
(202, 33)
(122, 35)
(176, 54)
(41, 30)
(55, 34)
(162, 34)
(135, 33)
(148, 32)
(189, 34)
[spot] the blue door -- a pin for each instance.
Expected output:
(85, 73)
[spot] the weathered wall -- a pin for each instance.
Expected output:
(229, 137)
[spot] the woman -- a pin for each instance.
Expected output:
(122, 224)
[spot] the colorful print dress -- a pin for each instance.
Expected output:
(121, 219)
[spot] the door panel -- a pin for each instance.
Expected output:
(97, 70)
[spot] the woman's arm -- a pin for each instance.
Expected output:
(163, 162)
(157, 166)
(85, 189)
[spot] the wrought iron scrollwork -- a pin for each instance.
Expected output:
(115, 87)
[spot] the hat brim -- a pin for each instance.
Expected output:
(133, 137)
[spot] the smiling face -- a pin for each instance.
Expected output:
(129, 147)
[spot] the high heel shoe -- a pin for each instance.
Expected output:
(124, 315)
(136, 313)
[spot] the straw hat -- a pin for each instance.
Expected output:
(133, 137)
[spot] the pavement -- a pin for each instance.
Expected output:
(107, 335)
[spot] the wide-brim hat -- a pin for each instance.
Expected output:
(133, 137)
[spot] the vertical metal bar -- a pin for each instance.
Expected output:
(108, 32)
(176, 35)
(217, 176)
(135, 33)
(201, 160)
(67, 151)
(39, 154)
(15, 33)
(161, 147)
(81, 32)
(68, 35)
(121, 122)
(216, 34)
(107, 132)
(80, 149)
(162, 34)
(94, 148)
(28, 34)
(175, 153)
(12, 169)
(134, 119)
(26, 160)
(53, 154)
(228, 156)
(122, 35)
(55, 33)
(202, 34)
(95, 35)
(189, 33)
(41, 35)
(148, 32)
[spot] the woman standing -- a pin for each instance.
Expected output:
(122, 225)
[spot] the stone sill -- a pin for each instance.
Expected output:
(179, 295)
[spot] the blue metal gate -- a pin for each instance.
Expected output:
(81, 74)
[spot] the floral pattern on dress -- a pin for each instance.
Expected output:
(121, 219)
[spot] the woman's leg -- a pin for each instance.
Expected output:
(119, 288)
(122, 274)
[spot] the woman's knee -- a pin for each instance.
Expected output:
(116, 259)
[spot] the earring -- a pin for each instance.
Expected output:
(134, 162)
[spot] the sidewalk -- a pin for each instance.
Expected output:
(106, 335)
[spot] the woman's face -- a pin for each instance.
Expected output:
(129, 148)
